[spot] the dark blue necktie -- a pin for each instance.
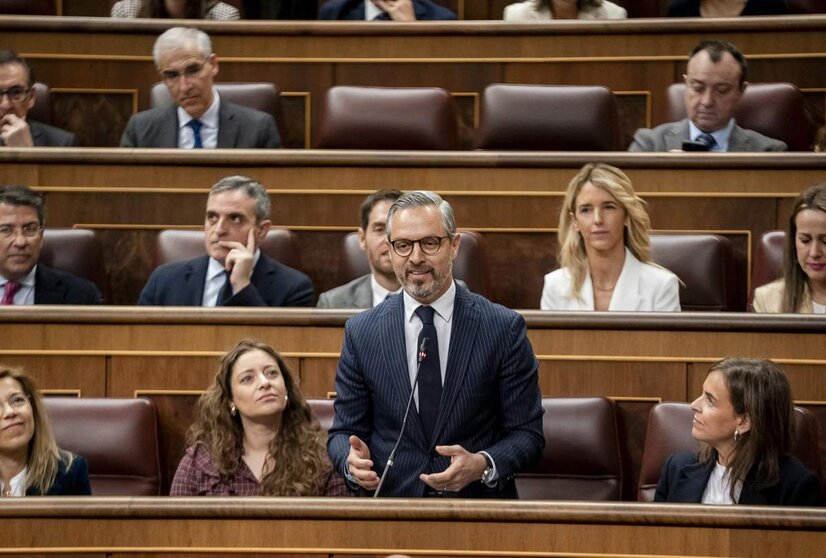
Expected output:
(430, 373)
(196, 126)
(226, 291)
(707, 140)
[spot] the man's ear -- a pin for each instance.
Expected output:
(362, 239)
(454, 245)
(263, 229)
(213, 61)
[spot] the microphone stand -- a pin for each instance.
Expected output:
(391, 459)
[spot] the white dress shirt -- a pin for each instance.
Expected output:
(18, 484)
(718, 489)
(216, 277)
(371, 11)
(209, 128)
(721, 136)
(379, 292)
(25, 294)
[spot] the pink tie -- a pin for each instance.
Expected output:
(9, 292)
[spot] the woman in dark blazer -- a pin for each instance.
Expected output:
(31, 464)
(744, 420)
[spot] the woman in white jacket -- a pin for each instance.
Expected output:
(542, 10)
(604, 250)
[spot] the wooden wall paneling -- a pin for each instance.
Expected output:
(61, 371)
(98, 117)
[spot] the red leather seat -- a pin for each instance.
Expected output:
(548, 118)
(705, 265)
(77, 251)
(324, 411)
(773, 109)
(470, 264)
(581, 459)
(388, 118)
(174, 245)
(669, 431)
(118, 438)
(768, 259)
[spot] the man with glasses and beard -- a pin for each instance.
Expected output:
(16, 100)
(476, 415)
(199, 118)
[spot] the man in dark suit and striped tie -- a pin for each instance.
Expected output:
(476, 418)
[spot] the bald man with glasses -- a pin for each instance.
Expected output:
(199, 118)
(23, 280)
(16, 100)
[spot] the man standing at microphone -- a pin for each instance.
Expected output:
(476, 419)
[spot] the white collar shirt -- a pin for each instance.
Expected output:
(371, 11)
(379, 292)
(216, 277)
(25, 294)
(721, 136)
(17, 483)
(209, 128)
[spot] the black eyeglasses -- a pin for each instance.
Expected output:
(16, 94)
(171, 76)
(28, 231)
(430, 245)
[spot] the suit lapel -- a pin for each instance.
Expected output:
(227, 126)
(465, 322)
(676, 135)
(738, 140)
(393, 348)
(194, 279)
(363, 293)
(47, 288)
(626, 296)
(689, 487)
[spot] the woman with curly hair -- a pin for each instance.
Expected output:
(744, 421)
(604, 250)
(31, 464)
(255, 434)
(539, 10)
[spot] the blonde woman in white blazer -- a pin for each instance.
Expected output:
(604, 250)
(543, 10)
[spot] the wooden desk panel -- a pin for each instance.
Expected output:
(417, 527)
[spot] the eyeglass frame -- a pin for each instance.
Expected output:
(413, 243)
(25, 399)
(25, 92)
(191, 71)
(29, 230)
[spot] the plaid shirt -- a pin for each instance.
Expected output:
(198, 476)
(130, 8)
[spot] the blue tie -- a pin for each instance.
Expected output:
(196, 126)
(707, 140)
(430, 373)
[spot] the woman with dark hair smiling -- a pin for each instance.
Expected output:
(31, 464)
(744, 420)
(803, 286)
(255, 434)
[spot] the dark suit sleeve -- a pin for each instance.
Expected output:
(803, 490)
(269, 137)
(324, 301)
(79, 473)
(522, 440)
(664, 482)
(248, 296)
(130, 137)
(301, 293)
(90, 294)
(352, 404)
(149, 294)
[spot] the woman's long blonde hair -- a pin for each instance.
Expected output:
(299, 451)
(572, 252)
(44, 457)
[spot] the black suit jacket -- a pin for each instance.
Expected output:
(490, 400)
(238, 127)
(354, 9)
(55, 286)
(272, 284)
(73, 481)
(44, 135)
(683, 479)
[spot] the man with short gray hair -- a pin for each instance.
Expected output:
(199, 118)
(234, 272)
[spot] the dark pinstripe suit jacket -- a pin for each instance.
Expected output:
(491, 399)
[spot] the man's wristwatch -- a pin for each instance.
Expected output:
(487, 476)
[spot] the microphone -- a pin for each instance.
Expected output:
(391, 459)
